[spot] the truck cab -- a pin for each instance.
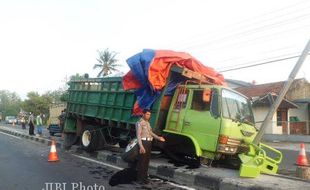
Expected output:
(216, 120)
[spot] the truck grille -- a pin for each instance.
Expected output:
(233, 142)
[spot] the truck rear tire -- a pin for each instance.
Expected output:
(70, 139)
(89, 139)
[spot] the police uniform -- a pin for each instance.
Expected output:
(145, 137)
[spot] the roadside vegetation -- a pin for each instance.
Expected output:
(11, 104)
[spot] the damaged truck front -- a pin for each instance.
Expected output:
(199, 117)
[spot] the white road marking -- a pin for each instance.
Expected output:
(102, 163)
(10, 135)
(120, 168)
(180, 186)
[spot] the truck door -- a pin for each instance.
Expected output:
(175, 118)
(200, 120)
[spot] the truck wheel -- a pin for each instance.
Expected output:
(228, 161)
(70, 139)
(89, 139)
(131, 152)
(185, 156)
(192, 161)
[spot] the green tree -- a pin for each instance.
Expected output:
(36, 103)
(10, 103)
(56, 96)
(78, 76)
(107, 62)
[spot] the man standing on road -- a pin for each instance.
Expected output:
(145, 136)
(31, 124)
(23, 122)
(39, 123)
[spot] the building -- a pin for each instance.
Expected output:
(292, 116)
(237, 83)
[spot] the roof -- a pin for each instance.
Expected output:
(267, 101)
(305, 100)
(263, 89)
(238, 82)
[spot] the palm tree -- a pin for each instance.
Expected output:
(107, 62)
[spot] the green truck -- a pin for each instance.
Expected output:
(209, 122)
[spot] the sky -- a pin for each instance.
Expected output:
(44, 42)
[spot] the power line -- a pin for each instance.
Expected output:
(260, 60)
(275, 12)
(248, 32)
(248, 40)
(259, 64)
(256, 23)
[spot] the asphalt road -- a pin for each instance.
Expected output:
(290, 153)
(24, 166)
(287, 166)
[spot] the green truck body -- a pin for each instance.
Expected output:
(207, 121)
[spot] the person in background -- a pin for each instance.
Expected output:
(23, 122)
(31, 124)
(62, 118)
(39, 123)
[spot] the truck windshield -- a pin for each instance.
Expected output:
(236, 107)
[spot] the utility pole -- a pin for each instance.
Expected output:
(284, 90)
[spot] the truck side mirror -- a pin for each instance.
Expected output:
(206, 96)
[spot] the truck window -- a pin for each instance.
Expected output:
(181, 100)
(215, 112)
(236, 107)
(198, 104)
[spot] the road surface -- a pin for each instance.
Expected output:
(24, 166)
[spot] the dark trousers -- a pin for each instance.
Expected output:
(31, 129)
(143, 161)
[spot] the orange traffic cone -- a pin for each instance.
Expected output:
(302, 159)
(53, 153)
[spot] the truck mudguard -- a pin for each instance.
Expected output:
(194, 141)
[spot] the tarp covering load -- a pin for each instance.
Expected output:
(149, 71)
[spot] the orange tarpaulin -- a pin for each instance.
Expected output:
(164, 59)
(150, 70)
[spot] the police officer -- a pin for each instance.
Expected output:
(145, 136)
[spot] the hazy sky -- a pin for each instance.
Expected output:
(44, 41)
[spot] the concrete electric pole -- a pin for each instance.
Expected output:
(284, 90)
